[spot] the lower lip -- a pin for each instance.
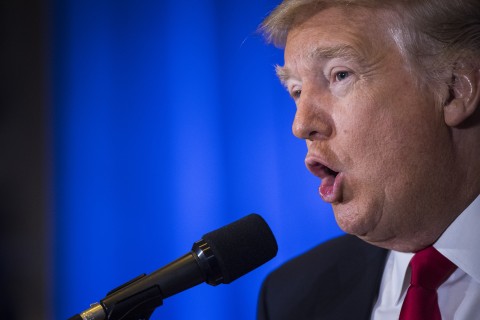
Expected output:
(331, 188)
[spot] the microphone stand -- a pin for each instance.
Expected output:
(136, 307)
(139, 297)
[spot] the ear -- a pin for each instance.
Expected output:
(464, 96)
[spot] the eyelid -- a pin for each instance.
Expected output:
(295, 94)
(292, 86)
(335, 71)
(339, 64)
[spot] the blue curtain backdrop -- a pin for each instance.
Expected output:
(169, 122)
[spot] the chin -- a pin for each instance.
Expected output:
(353, 221)
(393, 244)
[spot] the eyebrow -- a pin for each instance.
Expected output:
(340, 51)
(283, 74)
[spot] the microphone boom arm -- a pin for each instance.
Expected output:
(139, 297)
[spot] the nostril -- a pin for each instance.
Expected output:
(312, 135)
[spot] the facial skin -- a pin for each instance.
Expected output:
(363, 115)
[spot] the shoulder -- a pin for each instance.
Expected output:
(344, 251)
(313, 283)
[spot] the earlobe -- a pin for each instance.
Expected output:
(465, 97)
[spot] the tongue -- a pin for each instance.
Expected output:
(326, 188)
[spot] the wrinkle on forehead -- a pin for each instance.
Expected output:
(360, 40)
(357, 22)
(338, 51)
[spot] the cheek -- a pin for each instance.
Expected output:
(391, 150)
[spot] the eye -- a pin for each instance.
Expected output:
(341, 75)
(296, 94)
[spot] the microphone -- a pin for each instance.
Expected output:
(221, 256)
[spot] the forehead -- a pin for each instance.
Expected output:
(352, 32)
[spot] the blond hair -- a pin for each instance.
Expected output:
(437, 34)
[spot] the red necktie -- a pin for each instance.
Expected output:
(429, 270)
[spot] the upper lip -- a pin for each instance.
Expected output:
(320, 167)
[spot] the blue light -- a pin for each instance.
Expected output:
(169, 123)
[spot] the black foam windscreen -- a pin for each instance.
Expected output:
(242, 246)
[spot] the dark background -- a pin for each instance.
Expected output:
(25, 183)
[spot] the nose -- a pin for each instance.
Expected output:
(312, 122)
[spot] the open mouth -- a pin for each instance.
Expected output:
(319, 169)
(330, 172)
(330, 187)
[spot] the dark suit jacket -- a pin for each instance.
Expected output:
(336, 280)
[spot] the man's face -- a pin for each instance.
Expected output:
(378, 142)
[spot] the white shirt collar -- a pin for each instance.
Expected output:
(459, 243)
(401, 261)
